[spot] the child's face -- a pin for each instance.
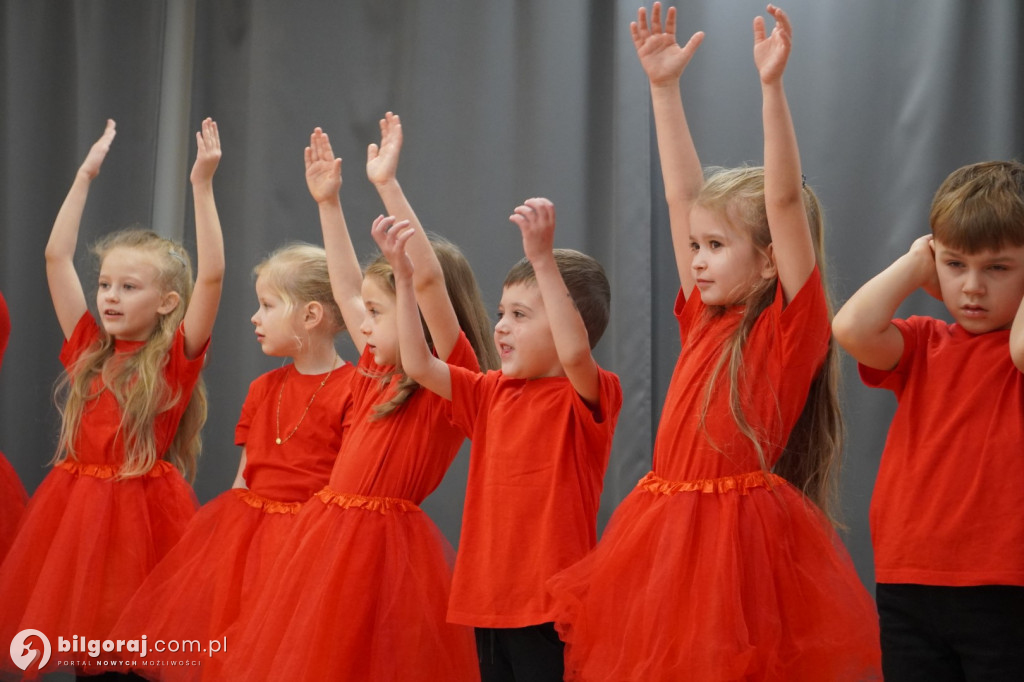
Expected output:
(129, 299)
(277, 328)
(380, 326)
(726, 267)
(982, 290)
(523, 334)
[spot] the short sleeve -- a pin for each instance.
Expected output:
(86, 331)
(470, 390)
(253, 399)
(896, 378)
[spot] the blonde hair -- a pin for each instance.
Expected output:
(136, 379)
(297, 272)
(464, 294)
(811, 458)
(980, 207)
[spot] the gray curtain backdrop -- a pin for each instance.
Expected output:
(500, 101)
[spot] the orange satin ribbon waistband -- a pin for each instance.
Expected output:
(379, 504)
(741, 483)
(266, 504)
(161, 468)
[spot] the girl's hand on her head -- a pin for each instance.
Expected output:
(660, 55)
(772, 52)
(323, 170)
(391, 238)
(382, 160)
(208, 152)
(536, 221)
(98, 152)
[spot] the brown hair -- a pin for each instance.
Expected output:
(136, 379)
(464, 294)
(586, 281)
(980, 207)
(812, 456)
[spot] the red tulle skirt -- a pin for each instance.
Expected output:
(198, 589)
(12, 504)
(728, 579)
(86, 543)
(360, 593)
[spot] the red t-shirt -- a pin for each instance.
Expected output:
(301, 464)
(406, 454)
(946, 508)
(782, 354)
(99, 440)
(535, 476)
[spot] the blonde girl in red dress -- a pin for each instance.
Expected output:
(132, 409)
(361, 591)
(290, 430)
(12, 492)
(722, 564)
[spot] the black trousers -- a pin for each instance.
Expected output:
(954, 634)
(529, 654)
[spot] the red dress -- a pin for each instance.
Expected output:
(711, 569)
(198, 589)
(361, 589)
(12, 492)
(88, 539)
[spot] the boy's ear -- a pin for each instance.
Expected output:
(312, 314)
(169, 302)
(768, 268)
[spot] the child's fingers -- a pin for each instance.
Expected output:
(670, 21)
(372, 151)
(758, 29)
(656, 18)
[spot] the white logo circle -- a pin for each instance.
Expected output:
(23, 655)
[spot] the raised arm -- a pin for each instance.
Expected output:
(323, 177)
(65, 287)
(1017, 338)
(792, 244)
(863, 326)
(202, 309)
(417, 361)
(536, 221)
(428, 279)
(663, 61)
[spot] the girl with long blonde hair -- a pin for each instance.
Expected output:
(132, 405)
(722, 563)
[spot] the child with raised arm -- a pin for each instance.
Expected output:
(12, 492)
(133, 406)
(946, 524)
(542, 432)
(290, 431)
(720, 565)
(361, 589)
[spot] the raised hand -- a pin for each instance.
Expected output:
(660, 55)
(391, 238)
(208, 152)
(382, 159)
(323, 170)
(536, 221)
(98, 152)
(771, 52)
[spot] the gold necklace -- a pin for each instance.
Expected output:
(280, 395)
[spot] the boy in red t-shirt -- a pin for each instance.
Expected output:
(542, 431)
(946, 521)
